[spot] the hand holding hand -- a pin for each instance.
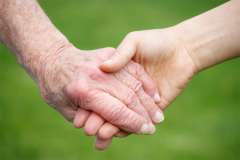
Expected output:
(163, 56)
(173, 55)
(71, 80)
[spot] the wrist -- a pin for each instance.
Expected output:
(208, 39)
(190, 42)
(207, 47)
(49, 72)
(36, 64)
(184, 44)
(31, 36)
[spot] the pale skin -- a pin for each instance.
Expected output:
(71, 81)
(172, 56)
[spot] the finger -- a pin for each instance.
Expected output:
(126, 95)
(80, 118)
(107, 131)
(93, 124)
(123, 55)
(148, 103)
(114, 111)
(148, 83)
(153, 110)
(122, 134)
(102, 144)
(120, 115)
(108, 107)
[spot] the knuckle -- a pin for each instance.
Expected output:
(92, 97)
(130, 97)
(82, 95)
(146, 100)
(137, 85)
(115, 116)
(76, 89)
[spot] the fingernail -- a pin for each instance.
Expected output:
(159, 117)
(144, 129)
(147, 128)
(152, 128)
(157, 98)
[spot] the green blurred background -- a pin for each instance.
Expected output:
(203, 123)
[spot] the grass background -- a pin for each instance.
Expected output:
(203, 123)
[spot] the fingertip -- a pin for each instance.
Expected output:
(107, 131)
(103, 134)
(116, 62)
(110, 66)
(147, 128)
(93, 124)
(159, 117)
(88, 131)
(102, 144)
(107, 66)
(77, 124)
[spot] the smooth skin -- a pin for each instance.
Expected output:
(172, 56)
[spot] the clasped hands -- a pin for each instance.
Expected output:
(114, 92)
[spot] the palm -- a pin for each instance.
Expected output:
(170, 66)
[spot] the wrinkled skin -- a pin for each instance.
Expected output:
(70, 80)
(163, 56)
(73, 83)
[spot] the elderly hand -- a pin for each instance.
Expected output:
(71, 80)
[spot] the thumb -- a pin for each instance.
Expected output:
(122, 56)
